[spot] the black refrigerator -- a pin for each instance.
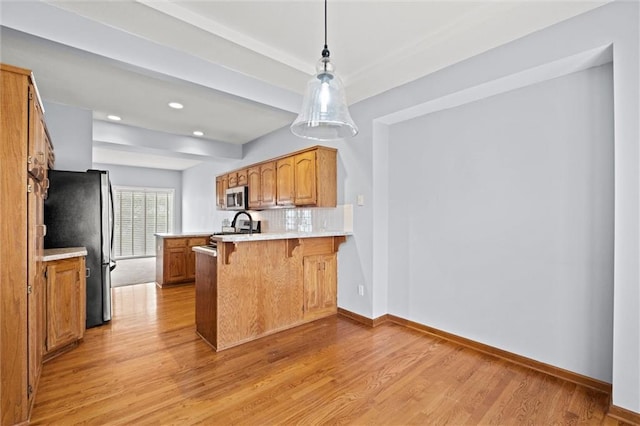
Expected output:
(79, 212)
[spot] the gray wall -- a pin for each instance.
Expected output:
(148, 178)
(502, 218)
(199, 197)
(71, 131)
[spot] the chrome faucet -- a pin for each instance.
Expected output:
(233, 222)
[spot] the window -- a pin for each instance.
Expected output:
(140, 213)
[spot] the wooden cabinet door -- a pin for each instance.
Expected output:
(305, 179)
(221, 190)
(255, 191)
(242, 178)
(284, 181)
(262, 185)
(65, 304)
(320, 285)
(268, 184)
(37, 158)
(176, 268)
(36, 294)
(232, 179)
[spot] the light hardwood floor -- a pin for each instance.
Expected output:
(149, 367)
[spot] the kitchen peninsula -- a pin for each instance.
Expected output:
(255, 285)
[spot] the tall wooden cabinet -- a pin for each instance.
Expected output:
(25, 156)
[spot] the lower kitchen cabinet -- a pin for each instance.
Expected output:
(65, 304)
(175, 259)
(320, 285)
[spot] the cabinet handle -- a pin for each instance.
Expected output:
(88, 273)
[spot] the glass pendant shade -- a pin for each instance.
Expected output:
(324, 115)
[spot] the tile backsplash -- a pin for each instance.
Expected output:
(318, 219)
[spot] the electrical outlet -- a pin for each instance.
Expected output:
(360, 200)
(361, 290)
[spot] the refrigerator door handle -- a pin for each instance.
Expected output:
(112, 262)
(113, 216)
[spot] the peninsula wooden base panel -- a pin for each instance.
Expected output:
(152, 368)
(264, 287)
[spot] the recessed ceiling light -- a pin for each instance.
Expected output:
(176, 105)
(113, 117)
(198, 133)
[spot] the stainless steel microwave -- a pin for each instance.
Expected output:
(237, 198)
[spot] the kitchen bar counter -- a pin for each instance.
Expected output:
(261, 284)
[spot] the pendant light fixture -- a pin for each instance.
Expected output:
(324, 115)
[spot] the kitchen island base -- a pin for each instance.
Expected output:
(251, 289)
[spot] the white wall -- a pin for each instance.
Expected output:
(148, 178)
(71, 131)
(199, 197)
(365, 168)
(504, 213)
(618, 26)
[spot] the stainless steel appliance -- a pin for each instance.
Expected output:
(79, 212)
(237, 198)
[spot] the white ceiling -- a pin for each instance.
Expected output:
(240, 67)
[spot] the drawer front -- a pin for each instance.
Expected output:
(175, 242)
(200, 241)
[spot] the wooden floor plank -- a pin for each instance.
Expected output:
(148, 366)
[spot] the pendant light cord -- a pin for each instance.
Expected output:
(325, 51)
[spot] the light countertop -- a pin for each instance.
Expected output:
(237, 238)
(182, 234)
(63, 253)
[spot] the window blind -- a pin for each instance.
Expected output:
(139, 214)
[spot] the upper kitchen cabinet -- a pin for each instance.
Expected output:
(242, 177)
(315, 178)
(222, 183)
(302, 178)
(285, 184)
(261, 180)
(232, 179)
